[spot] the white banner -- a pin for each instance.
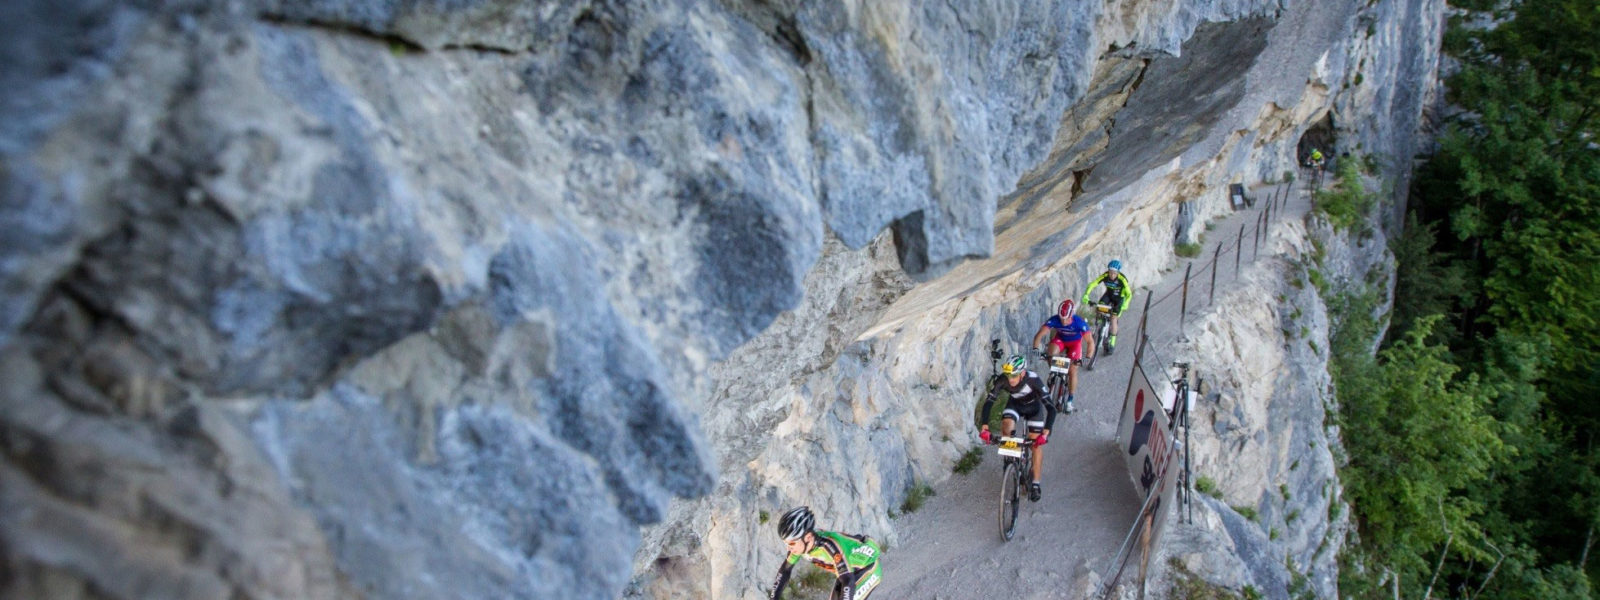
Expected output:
(1145, 436)
(1145, 433)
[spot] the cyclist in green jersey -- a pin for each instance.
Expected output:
(851, 558)
(1118, 294)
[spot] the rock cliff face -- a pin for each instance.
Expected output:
(448, 299)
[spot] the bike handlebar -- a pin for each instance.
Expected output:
(1025, 443)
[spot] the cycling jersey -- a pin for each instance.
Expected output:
(1117, 288)
(853, 559)
(1026, 397)
(1071, 331)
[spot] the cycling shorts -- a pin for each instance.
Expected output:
(1034, 418)
(1073, 349)
(1114, 300)
(867, 579)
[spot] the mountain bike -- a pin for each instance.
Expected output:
(1056, 383)
(1179, 416)
(1102, 324)
(1017, 452)
(1180, 396)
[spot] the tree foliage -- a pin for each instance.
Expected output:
(1497, 322)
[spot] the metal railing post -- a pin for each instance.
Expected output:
(1183, 307)
(1238, 244)
(1214, 256)
(1144, 316)
(1269, 219)
(1255, 251)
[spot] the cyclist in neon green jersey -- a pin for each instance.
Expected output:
(851, 558)
(1118, 294)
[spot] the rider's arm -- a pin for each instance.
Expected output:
(1090, 289)
(783, 579)
(1127, 294)
(1044, 330)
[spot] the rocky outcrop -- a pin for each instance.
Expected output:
(427, 299)
(879, 403)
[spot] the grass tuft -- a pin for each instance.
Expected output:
(969, 460)
(919, 494)
(1248, 512)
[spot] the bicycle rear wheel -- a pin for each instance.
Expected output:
(1010, 499)
(1058, 391)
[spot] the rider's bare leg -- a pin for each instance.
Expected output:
(1038, 457)
(1072, 379)
(1113, 324)
(1006, 426)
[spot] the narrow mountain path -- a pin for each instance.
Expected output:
(951, 548)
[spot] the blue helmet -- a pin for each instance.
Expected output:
(1116, 265)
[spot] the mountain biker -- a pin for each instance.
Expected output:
(1316, 158)
(1029, 403)
(1118, 294)
(853, 559)
(1067, 331)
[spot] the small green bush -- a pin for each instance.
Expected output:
(1318, 280)
(919, 494)
(969, 460)
(1189, 586)
(1347, 202)
(1283, 489)
(1248, 512)
(1207, 486)
(764, 517)
(1187, 250)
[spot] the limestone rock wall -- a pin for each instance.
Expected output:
(873, 377)
(428, 299)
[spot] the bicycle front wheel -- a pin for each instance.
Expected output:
(1099, 343)
(1010, 499)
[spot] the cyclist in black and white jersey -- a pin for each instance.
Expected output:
(1030, 403)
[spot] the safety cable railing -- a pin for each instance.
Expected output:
(1277, 202)
(1261, 230)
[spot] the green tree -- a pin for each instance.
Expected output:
(1512, 202)
(1419, 439)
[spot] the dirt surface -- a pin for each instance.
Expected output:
(952, 549)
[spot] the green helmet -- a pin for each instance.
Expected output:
(1014, 365)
